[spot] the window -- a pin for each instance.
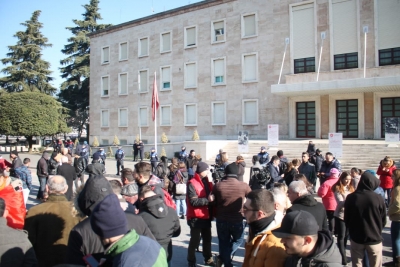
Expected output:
(143, 81)
(388, 20)
(104, 142)
(123, 51)
(218, 71)
(165, 78)
(165, 115)
(305, 119)
(143, 47)
(304, 65)
(190, 36)
(165, 42)
(389, 56)
(347, 118)
(190, 114)
(105, 85)
(218, 113)
(105, 118)
(218, 31)
(390, 107)
(249, 25)
(190, 75)
(302, 37)
(123, 83)
(346, 61)
(143, 116)
(123, 142)
(105, 55)
(249, 67)
(250, 112)
(123, 117)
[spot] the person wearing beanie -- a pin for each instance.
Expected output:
(82, 240)
(126, 248)
(229, 194)
(95, 168)
(199, 214)
(365, 217)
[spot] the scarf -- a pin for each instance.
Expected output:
(259, 225)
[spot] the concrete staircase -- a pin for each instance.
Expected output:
(363, 154)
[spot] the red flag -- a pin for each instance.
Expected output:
(154, 99)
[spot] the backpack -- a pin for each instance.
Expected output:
(167, 198)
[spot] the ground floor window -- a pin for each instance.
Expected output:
(305, 119)
(347, 118)
(390, 107)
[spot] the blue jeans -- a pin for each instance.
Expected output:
(388, 191)
(395, 235)
(180, 203)
(230, 237)
(42, 187)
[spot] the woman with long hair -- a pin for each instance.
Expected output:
(291, 171)
(394, 216)
(341, 189)
(385, 172)
(355, 174)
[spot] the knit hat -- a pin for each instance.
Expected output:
(334, 172)
(130, 190)
(201, 167)
(95, 189)
(108, 219)
(300, 223)
(96, 156)
(14, 152)
(232, 170)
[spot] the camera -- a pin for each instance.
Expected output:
(217, 173)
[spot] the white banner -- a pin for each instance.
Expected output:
(336, 144)
(273, 134)
(243, 142)
(391, 137)
(392, 129)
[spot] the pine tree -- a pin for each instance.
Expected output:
(116, 141)
(164, 138)
(75, 68)
(26, 69)
(163, 153)
(95, 142)
(195, 136)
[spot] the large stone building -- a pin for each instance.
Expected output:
(218, 66)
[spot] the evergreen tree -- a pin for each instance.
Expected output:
(26, 69)
(75, 68)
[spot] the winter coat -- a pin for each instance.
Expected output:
(308, 169)
(95, 168)
(283, 165)
(289, 176)
(48, 225)
(80, 165)
(241, 166)
(311, 149)
(326, 168)
(15, 248)
(16, 163)
(162, 221)
(53, 165)
(173, 183)
(153, 157)
(386, 176)
(68, 172)
(4, 163)
(326, 193)
(394, 205)
(263, 158)
(326, 254)
(365, 212)
(317, 160)
(253, 182)
(274, 171)
(42, 168)
(340, 198)
(24, 174)
(309, 204)
(265, 249)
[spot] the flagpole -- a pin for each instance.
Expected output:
(155, 113)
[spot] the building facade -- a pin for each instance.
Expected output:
(224, 66)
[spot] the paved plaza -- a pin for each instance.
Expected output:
(181, 243)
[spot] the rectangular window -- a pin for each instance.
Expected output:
(143, 116)
(105, 118)
(347, 118)
(105, 85)
(218, 113)
(304, 65)
(303, 32)
(390, 107)
(143, 81)
(190, 36)
(143, 47)
(250, 112)
(346, 61)
(249, 25)
(389, 56)
(218, 71)
(190, 75)
(123, 142)
(123, 51)
(344, 17)
(166, 78)
(388, 21)
(218, 31)
(123, 84)
(305, 119)
(123, 117)
(165, 42)
(105, 55)
(165, 115)
(104, 142)
(249, 67)
(190, 114)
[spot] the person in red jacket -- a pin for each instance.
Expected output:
(4, 164)
(199, 214)
(385, 171)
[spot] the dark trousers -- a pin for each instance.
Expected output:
(141, 155)
(395, 235)
(120, 163)
(42, 187)
(135, 155)
(154, 166)
(331, 220)
(387, 191)
(230, 237)
(342, 236)
(194, 242)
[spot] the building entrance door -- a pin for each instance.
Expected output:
(390, 107)
(347, 118)
(305, 119)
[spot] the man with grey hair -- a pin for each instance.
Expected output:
(68, 172)
(280, 204)
(302, 200)
(49, 224)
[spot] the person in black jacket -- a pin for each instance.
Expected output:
(365, 217)
(326, 166)
(68, 172)
(96, 168)
(82, 240)
(80, 164)
(135, 150)
(140, 147)
(273, 168)
(302, 200)
(53, 164)
(43, 174)
(317, 160)
(161, 219)
(181, 177)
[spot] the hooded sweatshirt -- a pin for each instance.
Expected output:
(365, 212)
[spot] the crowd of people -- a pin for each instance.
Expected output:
(131, 220)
